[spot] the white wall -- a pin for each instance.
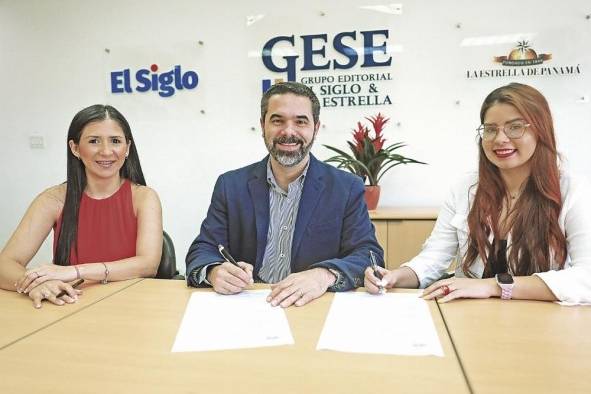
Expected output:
(53, 63)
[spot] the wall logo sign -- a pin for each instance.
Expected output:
(353, 77)
(523, 55)
(524, 61)
(151, 80)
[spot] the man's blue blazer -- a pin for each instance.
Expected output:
(332, 230)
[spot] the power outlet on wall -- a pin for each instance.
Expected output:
(36, 141)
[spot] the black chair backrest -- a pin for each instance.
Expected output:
(167, 267)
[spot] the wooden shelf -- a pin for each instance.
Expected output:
(402, 231)
(409, 213)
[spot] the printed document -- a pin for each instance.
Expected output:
(391, 323)
(218, 322)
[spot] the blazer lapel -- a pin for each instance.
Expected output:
(259, 193)
(313, 189)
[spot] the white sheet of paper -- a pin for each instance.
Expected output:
(566, 303)
(391, 323)
(218, 322)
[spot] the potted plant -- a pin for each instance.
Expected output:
(370, 159)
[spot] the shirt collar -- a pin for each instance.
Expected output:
(272, 182)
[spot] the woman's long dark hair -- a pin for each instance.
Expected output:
(536, 235)
(76, 176)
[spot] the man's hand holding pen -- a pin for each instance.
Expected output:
(228, 278)
(232, 276)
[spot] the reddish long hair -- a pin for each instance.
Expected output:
(536, 236)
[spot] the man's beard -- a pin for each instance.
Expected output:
(289, 158)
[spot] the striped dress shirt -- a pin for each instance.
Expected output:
(283, 212)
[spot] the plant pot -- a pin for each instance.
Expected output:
(372, 196)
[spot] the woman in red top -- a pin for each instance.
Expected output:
(107, 223)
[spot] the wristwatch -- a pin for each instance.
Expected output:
(339, 281)
(506, 283)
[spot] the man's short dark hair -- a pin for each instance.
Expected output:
(299, 89)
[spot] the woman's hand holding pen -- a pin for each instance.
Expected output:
(228, 278)
(399, 277)
(374, 284)
(50, 290)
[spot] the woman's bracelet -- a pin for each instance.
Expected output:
(77, 272)
(104, 281)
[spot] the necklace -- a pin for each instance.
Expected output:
(515, 195)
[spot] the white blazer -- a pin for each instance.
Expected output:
(449, 240)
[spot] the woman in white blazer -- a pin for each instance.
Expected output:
(519, 228)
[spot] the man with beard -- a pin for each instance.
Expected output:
(289, 220)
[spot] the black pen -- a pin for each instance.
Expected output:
(77, 283)
(374, 267)
(227, 256)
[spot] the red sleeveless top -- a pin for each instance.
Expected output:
(107, 228)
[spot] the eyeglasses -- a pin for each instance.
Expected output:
(512, 130)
